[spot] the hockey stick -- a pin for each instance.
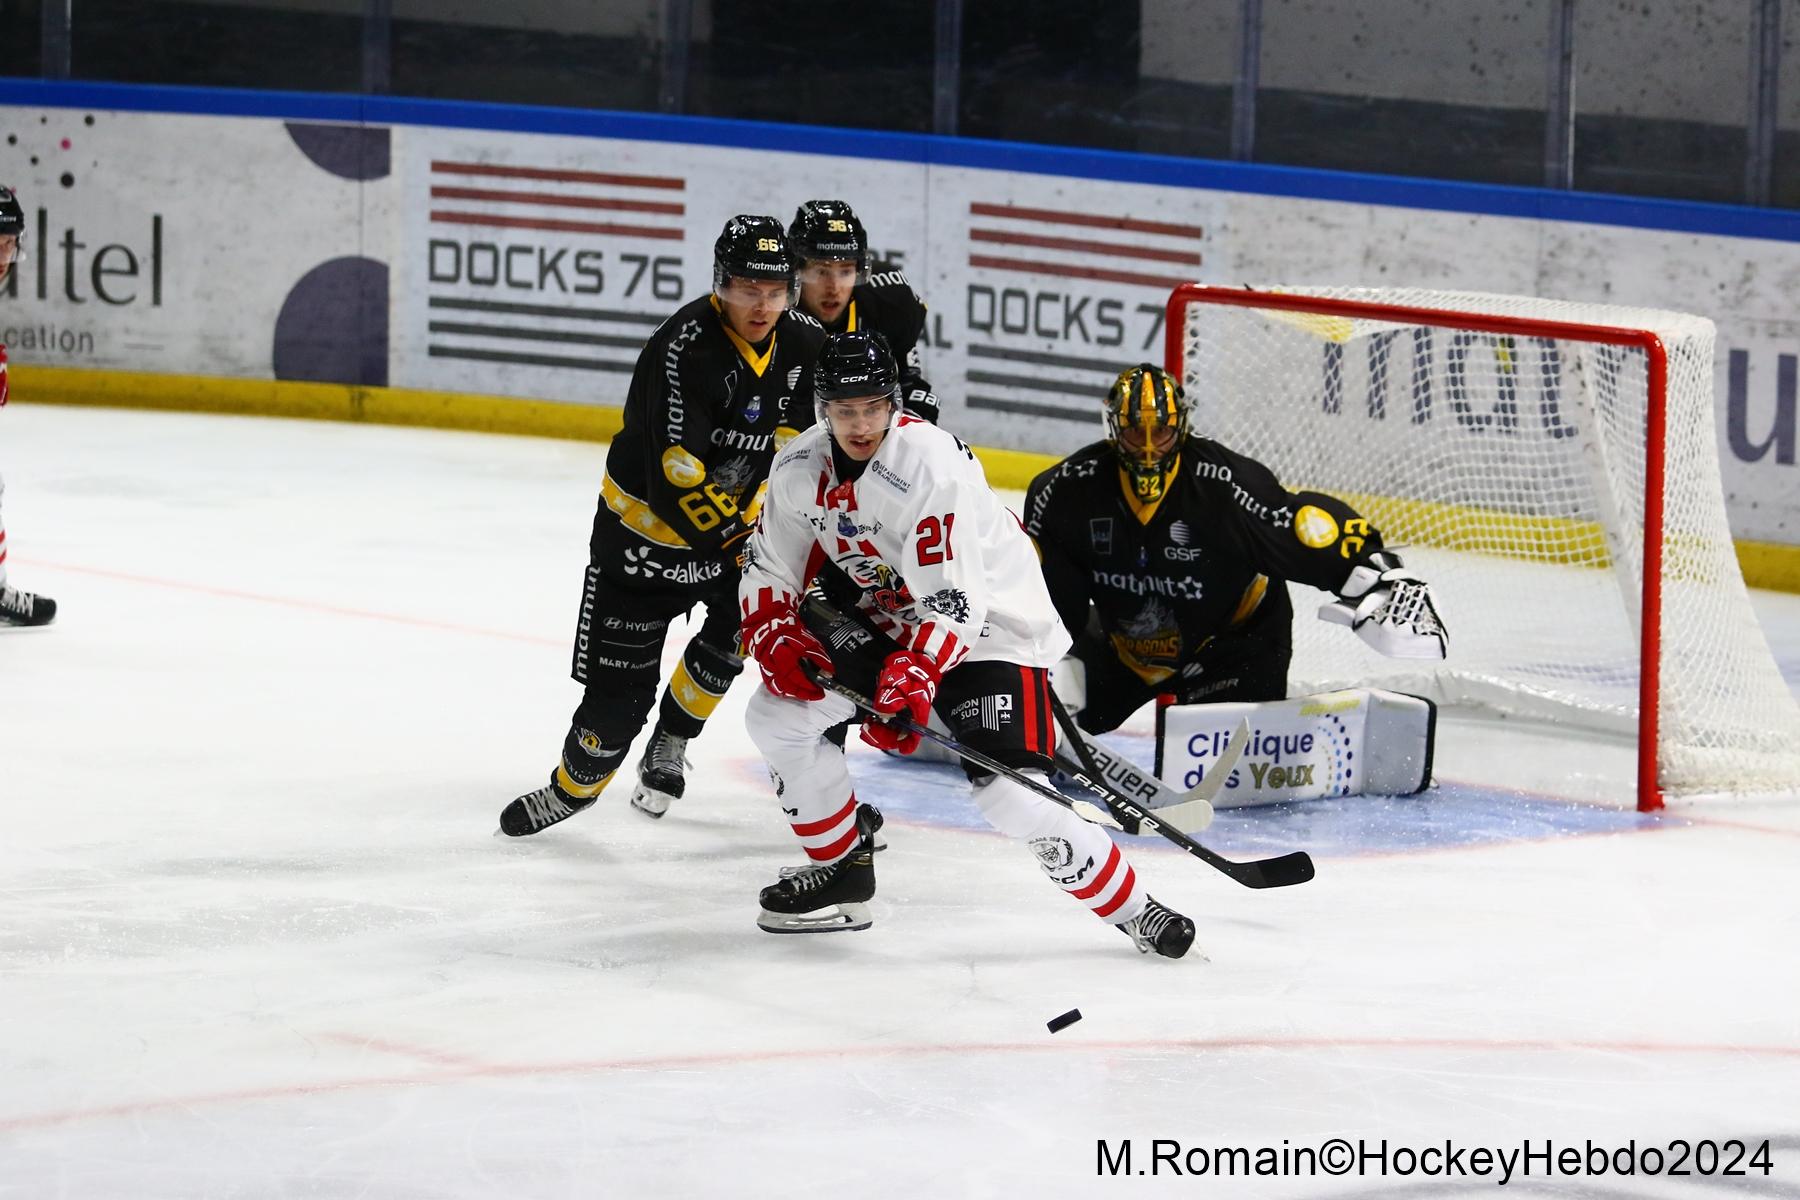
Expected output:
(1190, 811)
(1283, 871)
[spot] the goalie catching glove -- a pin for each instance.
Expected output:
(1390, 608)
(908, 684)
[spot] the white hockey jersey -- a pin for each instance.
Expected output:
(946, 570)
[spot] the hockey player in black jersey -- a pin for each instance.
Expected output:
(712, 398)
(844, 290)
(1168, 555)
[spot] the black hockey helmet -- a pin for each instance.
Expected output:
(855, 366)
(1143, 400)
(752, 247)
(828, 230)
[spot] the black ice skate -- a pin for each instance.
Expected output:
(1160, 929)
(25, 609)
(868, 823)
(661, 773)
(536, 811)
(798, 903)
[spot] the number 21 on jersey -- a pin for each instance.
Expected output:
(934, 540)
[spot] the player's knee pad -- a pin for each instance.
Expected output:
(791, 733)
(1017, 811)
(1067, 848)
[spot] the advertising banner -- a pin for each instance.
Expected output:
(534, 264)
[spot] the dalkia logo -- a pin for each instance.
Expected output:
(77, 271)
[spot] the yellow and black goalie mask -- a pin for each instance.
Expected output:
(1144, 401)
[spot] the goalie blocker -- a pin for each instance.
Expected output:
(1354, 742)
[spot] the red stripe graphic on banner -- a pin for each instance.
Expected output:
(669, 233)
(665, 207)
(1165, 282)
(1091, 220)
(501, 171)
(1083, 246)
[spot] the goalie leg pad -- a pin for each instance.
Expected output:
(1361, 741)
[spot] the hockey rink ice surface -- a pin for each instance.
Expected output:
(258, 939)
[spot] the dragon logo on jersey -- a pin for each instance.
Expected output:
(681, 468)
(1149, 641)
(950, 602)
(887, 590)
(734, 475)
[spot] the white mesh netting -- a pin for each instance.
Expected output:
(1511, 468)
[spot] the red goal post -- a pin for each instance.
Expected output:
(1551, 468)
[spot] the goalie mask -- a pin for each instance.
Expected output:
(1146, 423)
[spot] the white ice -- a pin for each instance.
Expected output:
(259, 941)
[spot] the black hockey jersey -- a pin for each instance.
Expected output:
(703, 418)
(1214, 555)
(888, 305)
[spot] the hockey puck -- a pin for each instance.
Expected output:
(1058, 1024)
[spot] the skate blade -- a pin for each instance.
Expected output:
(849, 918)
(651, 804)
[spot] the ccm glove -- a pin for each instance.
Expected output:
(781, 646)
(907, 685)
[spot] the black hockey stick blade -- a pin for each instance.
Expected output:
(1283, 871)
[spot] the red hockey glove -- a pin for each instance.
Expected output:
(907, 684)
(5, 387)
(780, 644)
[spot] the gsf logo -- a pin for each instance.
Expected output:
(1181, 553)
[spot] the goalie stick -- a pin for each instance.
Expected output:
(1282, 871)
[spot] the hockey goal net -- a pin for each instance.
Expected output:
(1551, 469)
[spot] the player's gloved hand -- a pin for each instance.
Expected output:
(781, 646)
(1390, 608)
(907, 684)
(5, 385)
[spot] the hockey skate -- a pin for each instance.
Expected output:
(868, 823)
(537, 811)
(662, 774)
(1160, 929)
(822, 899)
(24, 608)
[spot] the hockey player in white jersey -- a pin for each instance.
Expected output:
(953, 615)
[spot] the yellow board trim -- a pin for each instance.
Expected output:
(1770, 565)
